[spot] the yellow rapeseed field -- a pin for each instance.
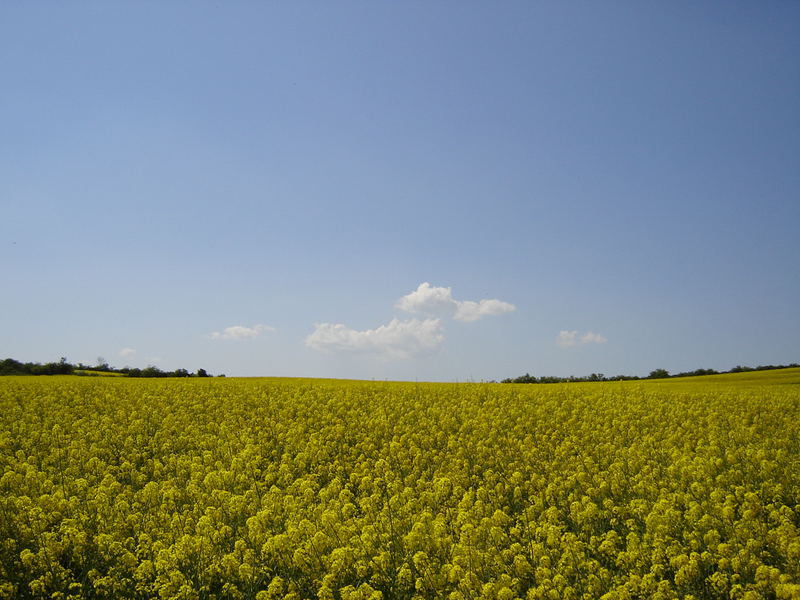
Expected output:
(318, 489)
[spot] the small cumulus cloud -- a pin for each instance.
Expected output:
(428, 299)
(592, 338)
(567, 339)
(431, 300)
(126, 352)
(468, 310)
(397, 339)
(240, 332)
(403, 339)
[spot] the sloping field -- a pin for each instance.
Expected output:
(267, 488)
(748, 378)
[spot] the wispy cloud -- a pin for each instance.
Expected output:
(397, 339)
(592, 338)
(567, 339)
(240, 332)
(427, 299)
(126, 352)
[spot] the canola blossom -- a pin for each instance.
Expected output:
(315, 489)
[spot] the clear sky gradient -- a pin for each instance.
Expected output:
(261, 188)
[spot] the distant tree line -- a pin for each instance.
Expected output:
(156, 372)
(655, 374)
(9, 366)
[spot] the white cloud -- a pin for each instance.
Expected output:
(566, 338)
(428, 299)
(125, 352)
(592, 338)
(240, 332)
(468, 310)
(397, 339)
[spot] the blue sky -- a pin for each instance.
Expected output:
(264, 188)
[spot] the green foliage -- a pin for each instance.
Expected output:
(201, 488)
(655, 374)
(9, 366)
(658, 374)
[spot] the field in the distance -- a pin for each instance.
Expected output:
(306, 489)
